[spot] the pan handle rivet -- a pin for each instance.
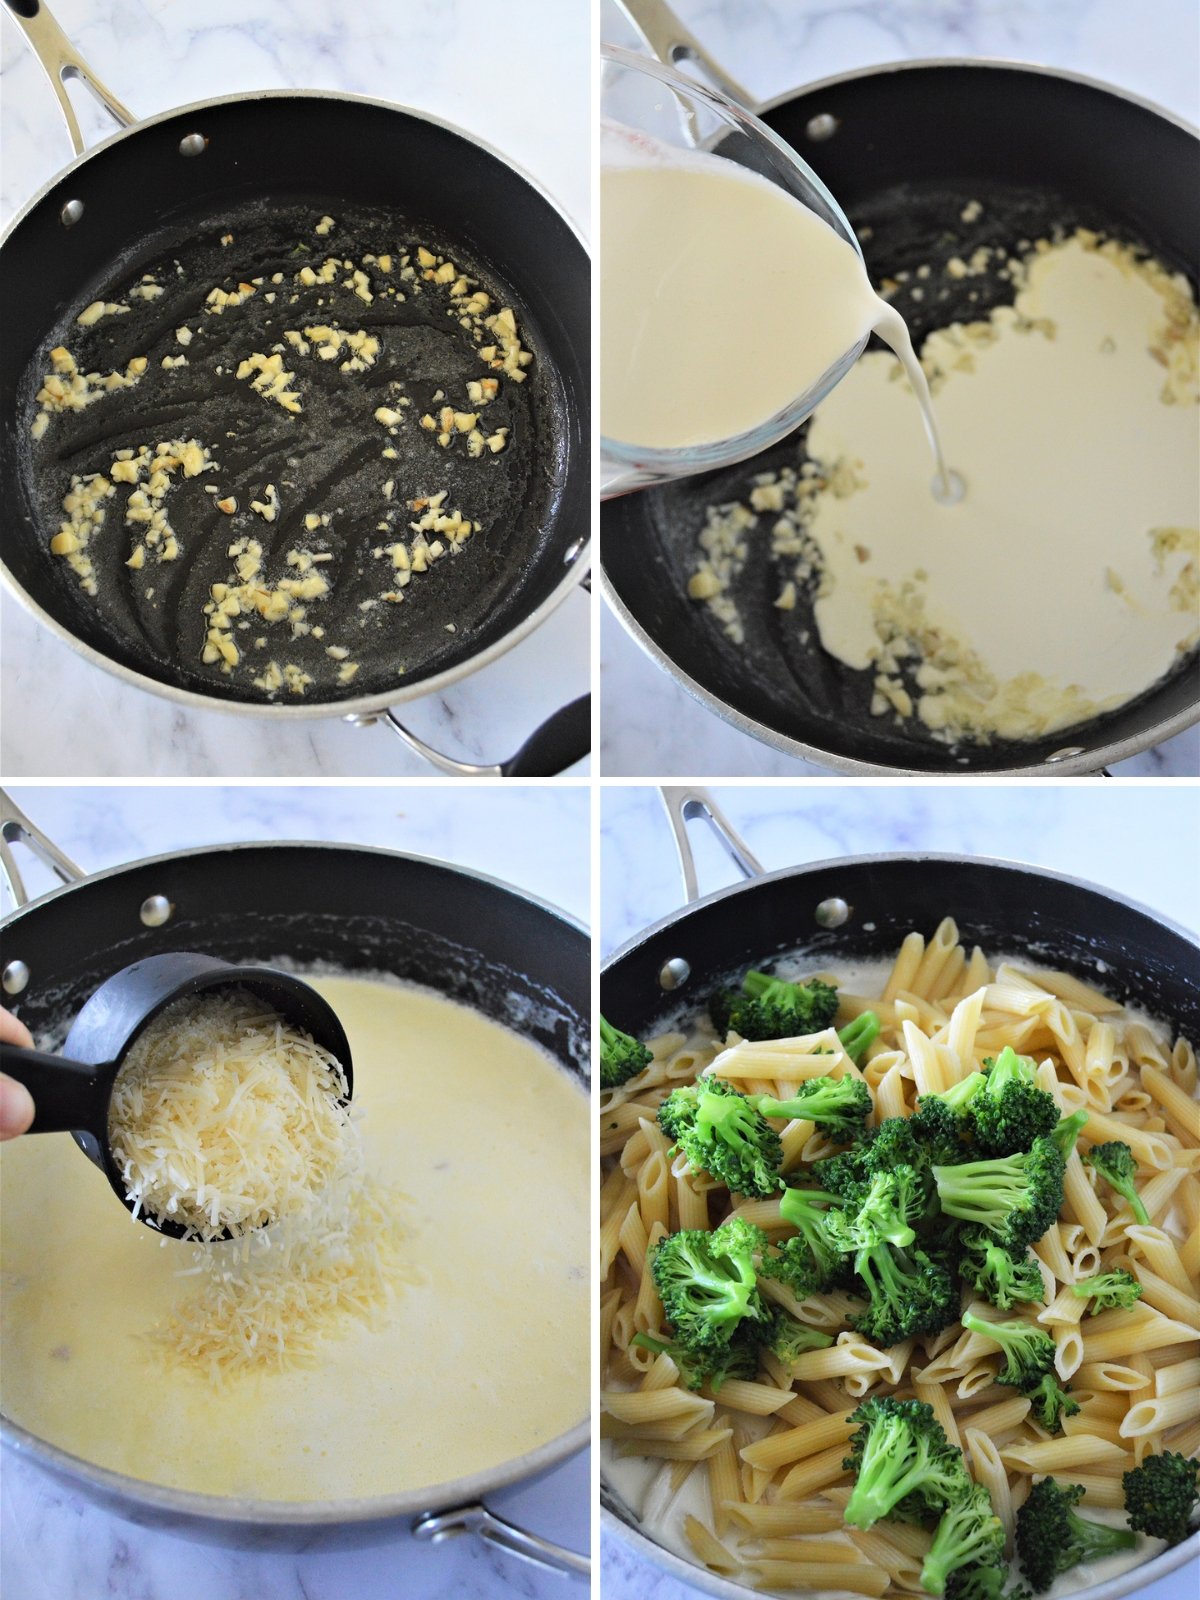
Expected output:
(822, 127)
(15, 977)
(832, 913)
(193, 144)
(71, 213)
(674, 974)
(156, 911)
(1065, 754)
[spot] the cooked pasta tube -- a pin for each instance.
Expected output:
(796, 1444)
(784, 1517)
(856, 1576)
(708, 1548)
(814, 1473)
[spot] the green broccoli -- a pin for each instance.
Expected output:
(969, 1534)
(1161, 1495)
(1109, 1290)
(1051, 1538)
(840, 1106)
(812, 1260)
(1009, 1112)
(1015, 1197)
(939, 1126)
(720, 1132)
(788, 1337)
(707, 1283)
(858, 1036)
(1003, 1277)
(621, 1056)
(903, 1464)
(910, 1292)
(880, 1211)
(712, 1365)
(1066, 1132)
(1114, 1162)
(773, 1008)
(1028, 1366)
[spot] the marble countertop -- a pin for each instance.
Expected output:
(650, 724)
(1140, 840)
(56, 1545)
(437, 56)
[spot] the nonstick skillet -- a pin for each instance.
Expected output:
(222, 194)
(858, 909)
(905, 148)
(355, 910)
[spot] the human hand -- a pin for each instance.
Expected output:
(16, 1103)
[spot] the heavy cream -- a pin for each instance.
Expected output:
(723, 299)
(1065, 581)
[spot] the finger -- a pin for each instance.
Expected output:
(16, 1107)
(13, 1031)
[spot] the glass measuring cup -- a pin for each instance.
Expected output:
(642, 99)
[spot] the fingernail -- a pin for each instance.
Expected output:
(16, 1108)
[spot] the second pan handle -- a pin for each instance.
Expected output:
(684, 805)
(666, 37)
(60, 60)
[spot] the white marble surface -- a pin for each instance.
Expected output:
(1142, 840)
(650, 725)
(494, 80)
(55, 1545)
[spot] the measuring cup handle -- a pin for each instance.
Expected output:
(67, 1095)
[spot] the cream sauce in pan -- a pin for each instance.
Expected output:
(481, 1358)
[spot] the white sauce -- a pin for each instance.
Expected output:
(480, 1359)
(723, 299)
(1072, 460)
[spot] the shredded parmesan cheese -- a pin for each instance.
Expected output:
(224, 1118)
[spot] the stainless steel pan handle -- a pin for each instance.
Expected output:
(665, 36)
(685, 805)
(560, 741)
(434, 1526)
(16, 827)
(60, 60)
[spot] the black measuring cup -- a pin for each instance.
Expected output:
(71, 1092)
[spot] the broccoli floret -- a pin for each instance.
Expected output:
(840, 1106)
(969, 1534)
(1161, 1495)
(1114, 1162)
(621, 1056)
(712, 1366)
(1015, 1197)
(813, 1260)
(789, 1338)
(1010, 1111)
(938, 1129)
(984, 1582)
(720, 1132)
(903, 1464)
(858, 1036)
(910, 1293)
(1051, 1404)
(773, 1008)
(880, 1211)
(707, 1282)
(1109, 1290)
(1028, 1365)
(1051, 1538)
(1067, 1132)
(1001, 1276)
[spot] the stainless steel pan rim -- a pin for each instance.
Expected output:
(878, 857)
(697, 1577)
(1085, 762)
(363, 704)
(121, 1492)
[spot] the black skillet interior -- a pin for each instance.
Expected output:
(271, 168)
(312, 906)
(1008, 910)
(913, 146)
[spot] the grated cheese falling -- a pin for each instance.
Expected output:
(227, 1119)
(224, 1118)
